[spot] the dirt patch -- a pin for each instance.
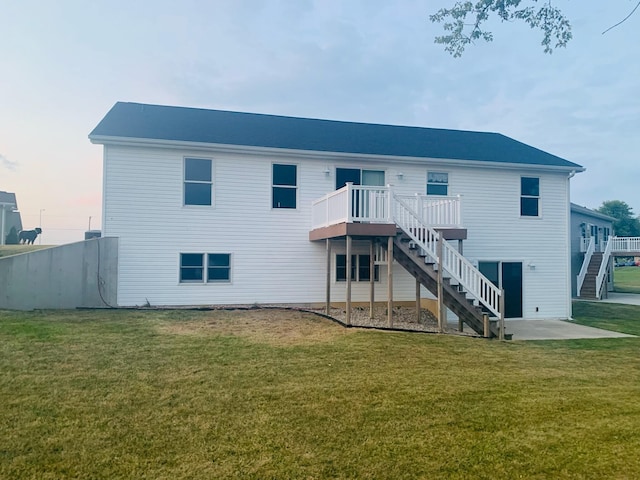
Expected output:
(273, 326)
(291, 326)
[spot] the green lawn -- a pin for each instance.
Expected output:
(278, 395)
(627, 279)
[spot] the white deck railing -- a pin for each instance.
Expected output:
(591, 245)
(359, 203)
(457, 266)
(625, 244)
(435, 211)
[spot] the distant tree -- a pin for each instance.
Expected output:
(540, 15)
(626, 224)
(12, 237)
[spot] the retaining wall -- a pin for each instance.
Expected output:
(82, 274)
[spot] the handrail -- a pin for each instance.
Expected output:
(585, 265)
(457, 266)
(603, 267)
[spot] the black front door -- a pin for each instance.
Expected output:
(508, 276)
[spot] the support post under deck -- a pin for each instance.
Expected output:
(327, 307)
(390, 281)
(348, 299)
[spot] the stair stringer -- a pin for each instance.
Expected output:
(454, 299)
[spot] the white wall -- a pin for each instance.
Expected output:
(272, 259)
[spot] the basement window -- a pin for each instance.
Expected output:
(529, 196)
(360, 268)
(192, 267)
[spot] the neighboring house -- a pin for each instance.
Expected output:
(587, 224)
(9, 215)
(218, 207)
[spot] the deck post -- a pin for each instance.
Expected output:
(501, 325)
(417, 301)
(390, 281)
(328, 285)
(348, 299)
(350, 204)
(486, 325)
(372, 285)
(441, 307)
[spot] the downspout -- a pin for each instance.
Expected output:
(568, 246)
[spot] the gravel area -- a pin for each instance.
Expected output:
(404, 318)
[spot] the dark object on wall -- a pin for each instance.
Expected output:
(12, 237)
(89, 234)
(29, 236)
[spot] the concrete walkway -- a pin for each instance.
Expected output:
(555, 330)
(562, 330)
(625, 298)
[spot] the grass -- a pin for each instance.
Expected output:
(627, 279)
(6, 250)
(610, 316)
(279, 394)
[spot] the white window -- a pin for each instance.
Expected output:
(529, 196)
(198, 181)
(205, 267)
(285, 186)
(437, 183)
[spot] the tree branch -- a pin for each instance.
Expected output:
(623, 20)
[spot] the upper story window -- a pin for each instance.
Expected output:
(198, 183)
(205, 267)
(437, 183)
(530, 196)
(285, 186)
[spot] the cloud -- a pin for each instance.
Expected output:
(6, 163)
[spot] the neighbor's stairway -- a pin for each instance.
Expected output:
(588, 289)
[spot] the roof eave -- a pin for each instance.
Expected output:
(220, 147)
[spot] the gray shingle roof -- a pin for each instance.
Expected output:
(156, 122)
(8, 198)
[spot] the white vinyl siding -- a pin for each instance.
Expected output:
(273, 259)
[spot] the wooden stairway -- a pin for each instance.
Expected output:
(424, 270)
(588, 289)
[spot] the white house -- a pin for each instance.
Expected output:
(217, 207)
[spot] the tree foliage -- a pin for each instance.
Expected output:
(465, 21)
(626, 224)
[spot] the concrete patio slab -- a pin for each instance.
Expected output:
(555, 330)
(625, 298)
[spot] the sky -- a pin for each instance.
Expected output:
(64, 64)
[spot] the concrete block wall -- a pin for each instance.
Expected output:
(82, 274)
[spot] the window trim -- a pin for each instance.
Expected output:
(196, 182)
(436, 184)
(294, 187)
(205, 269)
(537, 197)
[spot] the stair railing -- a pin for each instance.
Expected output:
(604, 267)
(585, 264)
(457, 266)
